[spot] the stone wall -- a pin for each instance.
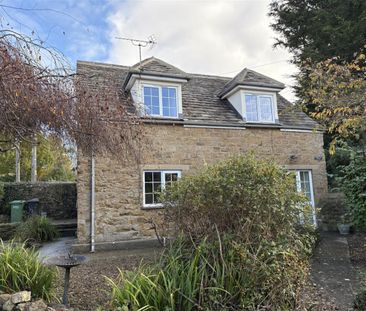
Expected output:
(57, 199)
(23, 301)
(332, 207)
(119, 211)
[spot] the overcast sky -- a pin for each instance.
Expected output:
(199, 36)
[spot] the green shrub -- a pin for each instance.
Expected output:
(250, 198)
(359, 302)
(36, 228)
(238, 245)
(353, 184)
(1, 190)
(20, 269)
(223, 275)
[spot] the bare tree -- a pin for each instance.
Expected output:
(40, 93)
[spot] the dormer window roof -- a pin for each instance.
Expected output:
(248, 78)
(154, 69)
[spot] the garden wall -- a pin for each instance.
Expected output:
(332, 207)
(57, 199)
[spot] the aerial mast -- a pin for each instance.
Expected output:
(150, 42)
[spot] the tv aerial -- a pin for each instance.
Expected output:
(150, 43)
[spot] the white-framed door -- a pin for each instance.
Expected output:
(304, 184)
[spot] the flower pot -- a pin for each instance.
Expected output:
(344, 228)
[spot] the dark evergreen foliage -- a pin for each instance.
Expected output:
(320, 29)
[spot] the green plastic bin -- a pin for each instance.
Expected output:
(16, 208)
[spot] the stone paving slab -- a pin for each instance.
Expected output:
(332, 272)
(58, 247)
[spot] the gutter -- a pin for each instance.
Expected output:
(187, 123)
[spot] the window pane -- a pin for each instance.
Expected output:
(151, 100)
(305, 176)
(173, 102)
(251, 107)
(169, 101)
(148, 187)
(155, 91)
(173, 112)
(157, 187)
(174, 177)
(165, 102)
(172, 93)
(265, 103)
(168, 177)
(157, 197)
(148, 176)
(165, 91)
(147, 100)
(155, 101)
(155, 110)
(166, 112)
(147, 90)
(149, 198)
(305, 184)
(157, 176)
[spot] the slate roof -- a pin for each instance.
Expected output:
(201, 100)
(155, 65)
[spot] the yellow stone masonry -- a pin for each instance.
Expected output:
(119, 209)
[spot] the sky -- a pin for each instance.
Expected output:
(218, 37)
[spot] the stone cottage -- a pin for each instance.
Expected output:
(191, 120)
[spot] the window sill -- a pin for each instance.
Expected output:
(149, 117)
(152, 207)
(261, 122)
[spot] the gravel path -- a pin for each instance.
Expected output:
(332, 272)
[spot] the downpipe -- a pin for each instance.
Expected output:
(92, 206)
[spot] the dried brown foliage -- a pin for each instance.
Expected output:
(39, 92)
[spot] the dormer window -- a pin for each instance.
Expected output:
(160, 100)
(253, 96)
(259, 108)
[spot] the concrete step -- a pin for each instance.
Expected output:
(66, 228)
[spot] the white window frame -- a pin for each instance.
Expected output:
(259, 94)
(312, 200)
(162, 178)
(160, 85)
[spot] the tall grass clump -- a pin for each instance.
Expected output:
(38, 229)
(20, 269)
(236, 247)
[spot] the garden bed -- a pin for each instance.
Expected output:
(357, 249)
(88, 287)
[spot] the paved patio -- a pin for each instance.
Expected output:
(59, 247)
